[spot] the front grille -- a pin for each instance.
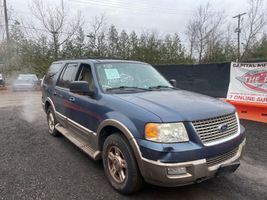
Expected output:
(208, 130)
(221, 158)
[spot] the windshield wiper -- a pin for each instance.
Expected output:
(161, 87)
(127, 87)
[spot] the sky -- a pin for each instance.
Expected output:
(163, 16)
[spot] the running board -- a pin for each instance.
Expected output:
(84, 146)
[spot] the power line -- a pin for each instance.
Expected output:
(132, 8)
(135, 8)
(120, 5)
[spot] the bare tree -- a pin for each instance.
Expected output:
(97, 44)
(229, 46)
(255, 23)
(191, 33)
(55, 21)
(203, 30)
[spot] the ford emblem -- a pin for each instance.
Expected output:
(223, 127)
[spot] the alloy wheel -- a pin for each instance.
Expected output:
(117, 165)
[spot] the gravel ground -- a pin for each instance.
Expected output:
(34, 165)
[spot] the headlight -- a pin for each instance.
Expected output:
(166, 133)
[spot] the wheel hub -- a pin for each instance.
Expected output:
(116, 164)
(51, 122)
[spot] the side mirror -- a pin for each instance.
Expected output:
(40, 81)
(81, 87)
(173, 82)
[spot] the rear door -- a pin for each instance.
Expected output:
(61, 93)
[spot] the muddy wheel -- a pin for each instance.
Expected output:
(52, 122)
(120, 166)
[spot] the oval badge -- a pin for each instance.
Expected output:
(255, 80)
(223, 127)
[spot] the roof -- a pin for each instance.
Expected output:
(99, 60)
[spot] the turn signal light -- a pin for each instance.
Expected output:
(151, 131)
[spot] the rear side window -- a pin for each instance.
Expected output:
(52, 73)
(68, 75)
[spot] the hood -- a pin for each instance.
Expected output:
(179, 105)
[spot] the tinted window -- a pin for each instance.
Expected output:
(52, 72)
(67, 76)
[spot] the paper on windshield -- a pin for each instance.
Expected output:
(112, 74)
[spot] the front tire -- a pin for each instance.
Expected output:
(52, 122)
(120, 166)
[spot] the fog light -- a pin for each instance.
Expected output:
(176, 171)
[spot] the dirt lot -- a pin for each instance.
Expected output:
(34, 165)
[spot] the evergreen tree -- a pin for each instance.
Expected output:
(113, 42)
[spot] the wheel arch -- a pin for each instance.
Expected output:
(48, 103)
(110, 126)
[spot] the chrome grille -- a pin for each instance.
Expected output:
(208, 129)
(221, 158)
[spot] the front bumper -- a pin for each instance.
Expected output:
(23, 87)
(196, 171)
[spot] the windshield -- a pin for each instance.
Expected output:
(27, 76)
(129, 75)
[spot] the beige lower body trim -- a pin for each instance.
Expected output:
(156, 172)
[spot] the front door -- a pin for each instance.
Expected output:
(84, 110)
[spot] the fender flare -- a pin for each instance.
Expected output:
(127, 133)
(48, 99)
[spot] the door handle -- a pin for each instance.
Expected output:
(72, 99)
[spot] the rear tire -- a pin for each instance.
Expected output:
(52, 122)
(120, 165)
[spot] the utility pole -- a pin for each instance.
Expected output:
(55, 40)
(6, 21)
(7, 36)
(238, 31)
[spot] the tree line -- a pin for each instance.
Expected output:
(209, 39)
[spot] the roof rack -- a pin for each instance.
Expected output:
(104, 58)
(95, 58)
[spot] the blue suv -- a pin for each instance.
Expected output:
(140, 124)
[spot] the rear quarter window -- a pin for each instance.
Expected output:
(52, 73)
(67, 75)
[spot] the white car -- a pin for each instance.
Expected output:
(25, 82)
(2, 80)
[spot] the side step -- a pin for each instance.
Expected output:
(84, 146)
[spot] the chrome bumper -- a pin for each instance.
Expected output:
(196, 171)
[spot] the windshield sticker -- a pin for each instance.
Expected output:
(112, 74)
